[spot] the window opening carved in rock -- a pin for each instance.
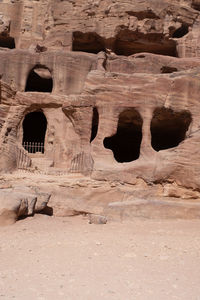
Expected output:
(39, 80)
(87, 42)
(95, 124)
(168, 128)
(125, 144)
(7, 42)
(180, 32)
(34, 130)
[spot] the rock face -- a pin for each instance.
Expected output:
(108, 91)
(18, 202)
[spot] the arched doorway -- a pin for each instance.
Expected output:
(39, 80)
(125, 144)
(34, 130)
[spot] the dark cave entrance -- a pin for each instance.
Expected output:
(167, 69)
(196, 4)
(126, 43)
(34, 130)
(168, 128)
(39, 80)
(95, 124)
(87, 42)
(7, 42)
(180, 32)
(129, 42)
(125, 144)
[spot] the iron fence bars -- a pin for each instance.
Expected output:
(33, 147)
(82, 163)
(23, 160)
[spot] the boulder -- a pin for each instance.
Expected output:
(15, 203)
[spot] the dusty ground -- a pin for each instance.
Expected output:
(67, 258)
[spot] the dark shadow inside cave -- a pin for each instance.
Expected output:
(7, 42)
(34, 130)
(128, 43)
(168, 128)
(95, 124)
(167, 69)
(180, 32)
(196, 4)
(125, 144)
(39, 80)
(89, 42)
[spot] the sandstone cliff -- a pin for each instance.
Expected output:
(107, 91)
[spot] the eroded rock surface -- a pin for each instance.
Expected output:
(105, 91)
(20, 202)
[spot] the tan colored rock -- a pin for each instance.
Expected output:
(97, 219)
(20, 202)
(113, 25)
(105, 94)
(15, 204)
(178, 192)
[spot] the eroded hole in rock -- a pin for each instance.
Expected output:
(129, 43)
(125, 144)
(95, 124)
(196, 4)
(141, 15)
(87, 42)
(7, 42)
(39, 80)
(166, 69)
(34, 130)
(168, 128)
(48, 211)
(180, 32)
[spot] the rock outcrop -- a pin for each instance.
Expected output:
(20, 202)
(106, 91)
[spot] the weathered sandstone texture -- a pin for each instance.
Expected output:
(99, 108)
(20, 201)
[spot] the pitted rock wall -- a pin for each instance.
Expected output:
(55, 24)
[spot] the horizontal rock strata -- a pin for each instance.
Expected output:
(105, 91)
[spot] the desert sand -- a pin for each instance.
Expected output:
(48, 258)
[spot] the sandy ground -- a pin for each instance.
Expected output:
(66, 258)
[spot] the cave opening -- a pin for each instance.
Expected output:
(7, 42)
(95, 124)
(167, 69)
(125, 144)
(128, 43)
(180, 32)
(87, 42)
(34, 130)
(39, 80)
(196, 4)
(168, 128)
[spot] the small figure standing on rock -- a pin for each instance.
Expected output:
(101, 61)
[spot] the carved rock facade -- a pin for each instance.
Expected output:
(107, 91)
